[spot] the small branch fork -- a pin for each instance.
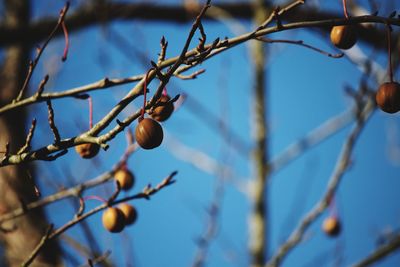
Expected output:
(191, 58)
(36, 251)
(77, 190)
(146, 193)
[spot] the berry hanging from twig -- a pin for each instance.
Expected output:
(331, 226)
(113, 220)
(388, 95)
(149, 134)
(344, 36)
(125, 178)
(164, 111)
(88, 150)
(129, 212)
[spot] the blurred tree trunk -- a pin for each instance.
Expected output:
(15, 184)
(258, 217)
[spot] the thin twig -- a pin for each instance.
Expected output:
(104, 83)
(52, 123)
(314, 137)
(98, 259)
(301, 43)
(29, 137)
(164, 45)
(190, 76)
(32, 64)
(182, 55)
(36, 251)
(280, 12)
(202, 39)
(210, 232)
(39, 92)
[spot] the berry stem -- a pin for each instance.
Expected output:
(144, 94)
(333, 211)
(90, 112)
(95, 198)
(123, 166)
(389, 40)
(345, 9)
(64, 57)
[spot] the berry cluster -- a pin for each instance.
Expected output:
(115, 219)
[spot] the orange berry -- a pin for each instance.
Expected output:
(388, 97)
(113, 220)
(343, 36)
(129, 212)
(331, 226)
(88, 150)
(125, 178)
(149, 133)
(162, 113)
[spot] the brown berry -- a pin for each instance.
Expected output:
(88, 150)
(388, 97)
(113, 220)
(343, 36)
(164, 111)
(149, 133)
(331, 226)
(129, 212)
(125, 178)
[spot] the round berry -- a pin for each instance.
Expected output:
(87, 150)
(164, 111)
(125, 178)
(149, 133)
(331, 226)
(343, 36)
(388, 97)
(129, 212)
(113, 220)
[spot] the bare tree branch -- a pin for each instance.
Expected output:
(342, 165)
(36, 251)
(380, 252)
(173, 63)
(111, 11)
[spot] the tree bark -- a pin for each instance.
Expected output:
(16, 187)
(258, 217)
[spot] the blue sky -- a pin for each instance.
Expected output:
(304, 90)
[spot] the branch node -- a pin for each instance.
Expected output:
(52, 124)
(41, 87)
(28, 140)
